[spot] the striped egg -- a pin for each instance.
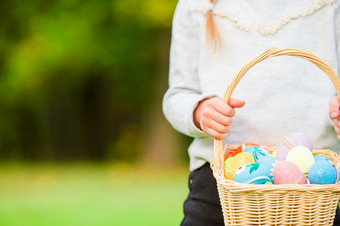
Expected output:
(291, 141)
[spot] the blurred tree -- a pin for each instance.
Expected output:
(78, 77)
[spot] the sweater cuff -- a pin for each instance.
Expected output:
(196, 132)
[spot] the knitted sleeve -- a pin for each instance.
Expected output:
(184, 92)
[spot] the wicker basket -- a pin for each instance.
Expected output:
(286, 204)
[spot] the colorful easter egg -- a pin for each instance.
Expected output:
(291, 141)
(257, 152)
(239, 149)
(227, 171)
(270, 162)
(320, 157)
(252, 173)
(286, 172)
(232, 164)
(302, 157)
(323, 172)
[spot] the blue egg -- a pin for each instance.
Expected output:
(270, 162)
(323, 172)
(252, 173)
(257, 152)
(321, 157)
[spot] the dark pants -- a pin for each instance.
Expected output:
(202, 207)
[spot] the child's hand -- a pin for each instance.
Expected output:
(214, 117)
(334, 113)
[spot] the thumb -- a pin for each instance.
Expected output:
(334, 107)
(236, 103)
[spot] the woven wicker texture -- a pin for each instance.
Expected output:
(285, 204)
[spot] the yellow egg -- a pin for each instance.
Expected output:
(232, 164)
(302, 157)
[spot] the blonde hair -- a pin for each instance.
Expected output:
(213, 35)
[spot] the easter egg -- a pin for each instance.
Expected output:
(323, 172)
(226, 161)
(302, 157)
(252, 173)
(286, 172)
(256, 152)
(226, 168)
(239, 149)
(270, 162)
(232, 164)
(320, 157)
(291, 141)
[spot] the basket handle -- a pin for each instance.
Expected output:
(272, 52)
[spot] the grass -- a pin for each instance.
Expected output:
(85, 194)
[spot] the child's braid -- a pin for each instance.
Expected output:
(213, 35)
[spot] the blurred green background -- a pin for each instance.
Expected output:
(83, 140)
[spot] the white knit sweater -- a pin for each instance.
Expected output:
(283, 94)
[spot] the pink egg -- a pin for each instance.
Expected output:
(288, 173)
(293, 140)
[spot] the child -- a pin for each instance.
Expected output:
(210, 42)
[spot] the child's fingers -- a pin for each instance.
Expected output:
(226, 109)
(236, 103)
(213, 133)
(215, 121)
(223, 108)
(217, 117)
(334, 107)
(219, 112)
(219, 128)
